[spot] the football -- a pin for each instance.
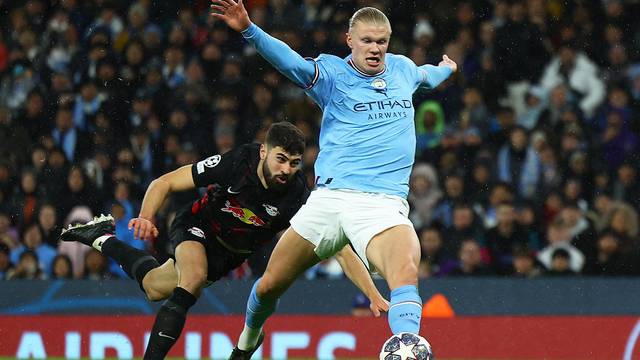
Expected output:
(406, 346)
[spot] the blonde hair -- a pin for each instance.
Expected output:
(369, 15)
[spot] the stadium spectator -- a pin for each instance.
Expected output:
(434, 260)
(463, 226)
(13, 137)
(96, 266)
(9, 236)
(536, 110)
(470, 260)
(69, 138)
(27, 268)
(582, 233)
(26, 198)
(453, 193)
(626, 187)
(430, 124)
(611, 259)
(54, 175)
(501, 239)
(623, 220)
(579, 73)
(501, 192)
(517, 38)
(78, 192)
(559, 238)
(482, 180)
(524, 263)
(32, 241)
(48, 224)
(5, 261)
(519, 164)
(560, 263)
(61, 268)
(528, 219)
(424, 194)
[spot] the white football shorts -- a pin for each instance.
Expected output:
(331, 218)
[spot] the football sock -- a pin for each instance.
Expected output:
(248, 338)
(135, 262)
(258, 310)
(169, 323)
(405, 310)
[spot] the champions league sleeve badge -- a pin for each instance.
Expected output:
(379, 85)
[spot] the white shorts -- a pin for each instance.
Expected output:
(332, 218)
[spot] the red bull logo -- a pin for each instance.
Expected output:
(245, 215)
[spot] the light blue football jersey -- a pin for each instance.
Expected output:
(367, 137)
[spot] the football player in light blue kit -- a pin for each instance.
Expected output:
(367, 149)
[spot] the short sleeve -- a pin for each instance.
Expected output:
(413, 73)
(214, 169)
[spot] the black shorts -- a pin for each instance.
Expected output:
(189, 227)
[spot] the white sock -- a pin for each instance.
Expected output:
(248, 338)
(97, 243)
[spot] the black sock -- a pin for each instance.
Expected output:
(136, 263)
(169, 323)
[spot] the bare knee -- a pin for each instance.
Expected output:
(193, 281)
(405, 274)
(269, 287)
(156, 294)
(160, 282)
(152, 288)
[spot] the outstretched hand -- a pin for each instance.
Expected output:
(231, 12)
(143, 229)
(448, 62)
(378, 304)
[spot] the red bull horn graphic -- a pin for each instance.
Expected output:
(245, 215)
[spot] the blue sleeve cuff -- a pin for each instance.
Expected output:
(250, 31)
(436, 74)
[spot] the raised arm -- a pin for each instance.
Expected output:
(177, 180)
(432, 75)
(276, 52)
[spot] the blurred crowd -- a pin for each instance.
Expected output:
(526, 161)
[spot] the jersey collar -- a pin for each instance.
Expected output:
(350, 62)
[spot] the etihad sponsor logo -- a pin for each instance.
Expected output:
(383, 105)
(243, 214)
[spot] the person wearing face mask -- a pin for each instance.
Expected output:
(367, 149)
(27, 268)
(32, 241)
